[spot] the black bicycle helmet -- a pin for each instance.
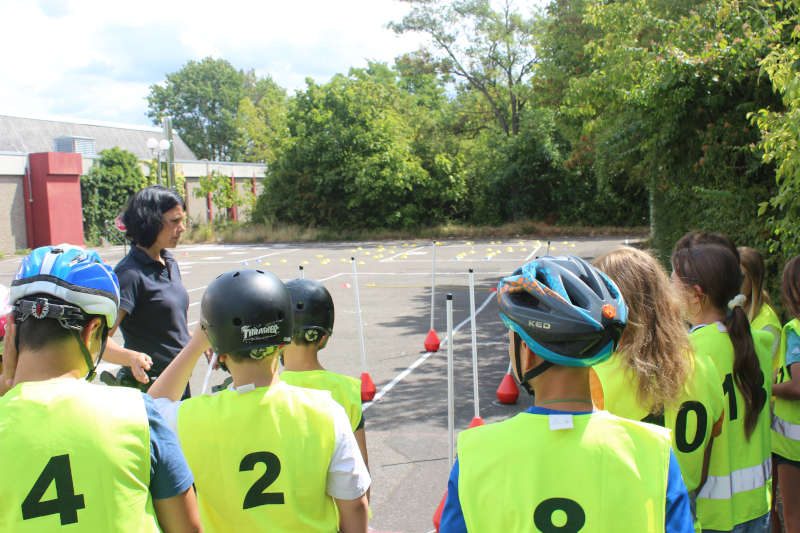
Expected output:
(313, 308)
(243, 310)
(568, 312)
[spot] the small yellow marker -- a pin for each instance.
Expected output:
(283, 260)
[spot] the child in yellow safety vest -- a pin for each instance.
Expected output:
(266, 455)
(736, 495)
(562, 466)
(313, 326)
(654, 375)
(75, 456)
(786, 412)
(759, 311)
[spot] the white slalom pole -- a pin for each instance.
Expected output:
(302, 274)
(433, 279)
(450, 397)
(360, 324)
(208, 372)
(509, 368)
(474, 344)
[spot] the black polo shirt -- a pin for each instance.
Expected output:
(156, 302)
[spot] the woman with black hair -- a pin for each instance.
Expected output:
(153, 300)
(736, 494)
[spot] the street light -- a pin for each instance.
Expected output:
(157, 148)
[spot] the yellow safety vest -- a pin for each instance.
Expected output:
(786, 413)
(738, 487)
(74, 456)
(589, 473)
(699, 406)
(767, 320)
(260, 459)
(344, 389)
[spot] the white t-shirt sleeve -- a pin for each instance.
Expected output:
(348, 477)
(169, 412)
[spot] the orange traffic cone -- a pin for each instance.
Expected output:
(367, 387)
(437, 516)
(432, 341)
(476, 421)
(507, 392)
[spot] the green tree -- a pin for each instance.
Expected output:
(780, 130)
(261, 122)
(115, 176)
(492, 51)
(203, 99)
(348, 161)
(665, 106)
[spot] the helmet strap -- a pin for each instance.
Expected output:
(85, 351)
(530, 374)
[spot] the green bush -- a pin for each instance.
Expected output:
(112, 180)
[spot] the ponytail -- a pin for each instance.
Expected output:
(746, 369)
(716, 269)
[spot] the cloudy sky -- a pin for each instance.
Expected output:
(95, 59)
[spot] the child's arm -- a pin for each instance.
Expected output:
(172, 382)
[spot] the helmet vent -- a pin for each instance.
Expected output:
(527, 300)
(575, 295)
(300, 306)
(236, 274)
(236, 320)
(260, 271)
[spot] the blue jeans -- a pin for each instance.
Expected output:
(756, 525)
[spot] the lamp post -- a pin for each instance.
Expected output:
(157, 148)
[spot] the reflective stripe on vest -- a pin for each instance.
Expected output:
(786, 413)
(724, 487)
(785, 428)
(736, 489)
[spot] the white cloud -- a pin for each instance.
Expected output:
(96, 59)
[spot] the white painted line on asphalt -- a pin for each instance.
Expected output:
(197, 288)
(331, 277)
(389, 386)
(406, 252)
(532, 253)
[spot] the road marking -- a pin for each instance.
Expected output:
(422, 358)
(532, 253)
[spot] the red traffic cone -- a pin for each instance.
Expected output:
(367, 387)
(476, 421)
(437, 516)
(507, 392)
(432, 341)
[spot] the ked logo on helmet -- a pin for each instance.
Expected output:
(258, 333)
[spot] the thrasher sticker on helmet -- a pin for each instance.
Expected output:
(258, 333)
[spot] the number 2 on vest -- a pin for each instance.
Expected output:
(256, 496)
(66, 502)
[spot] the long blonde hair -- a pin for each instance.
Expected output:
(655, 344)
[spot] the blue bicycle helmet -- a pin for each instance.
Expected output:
(568, 312)
(69, 284)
